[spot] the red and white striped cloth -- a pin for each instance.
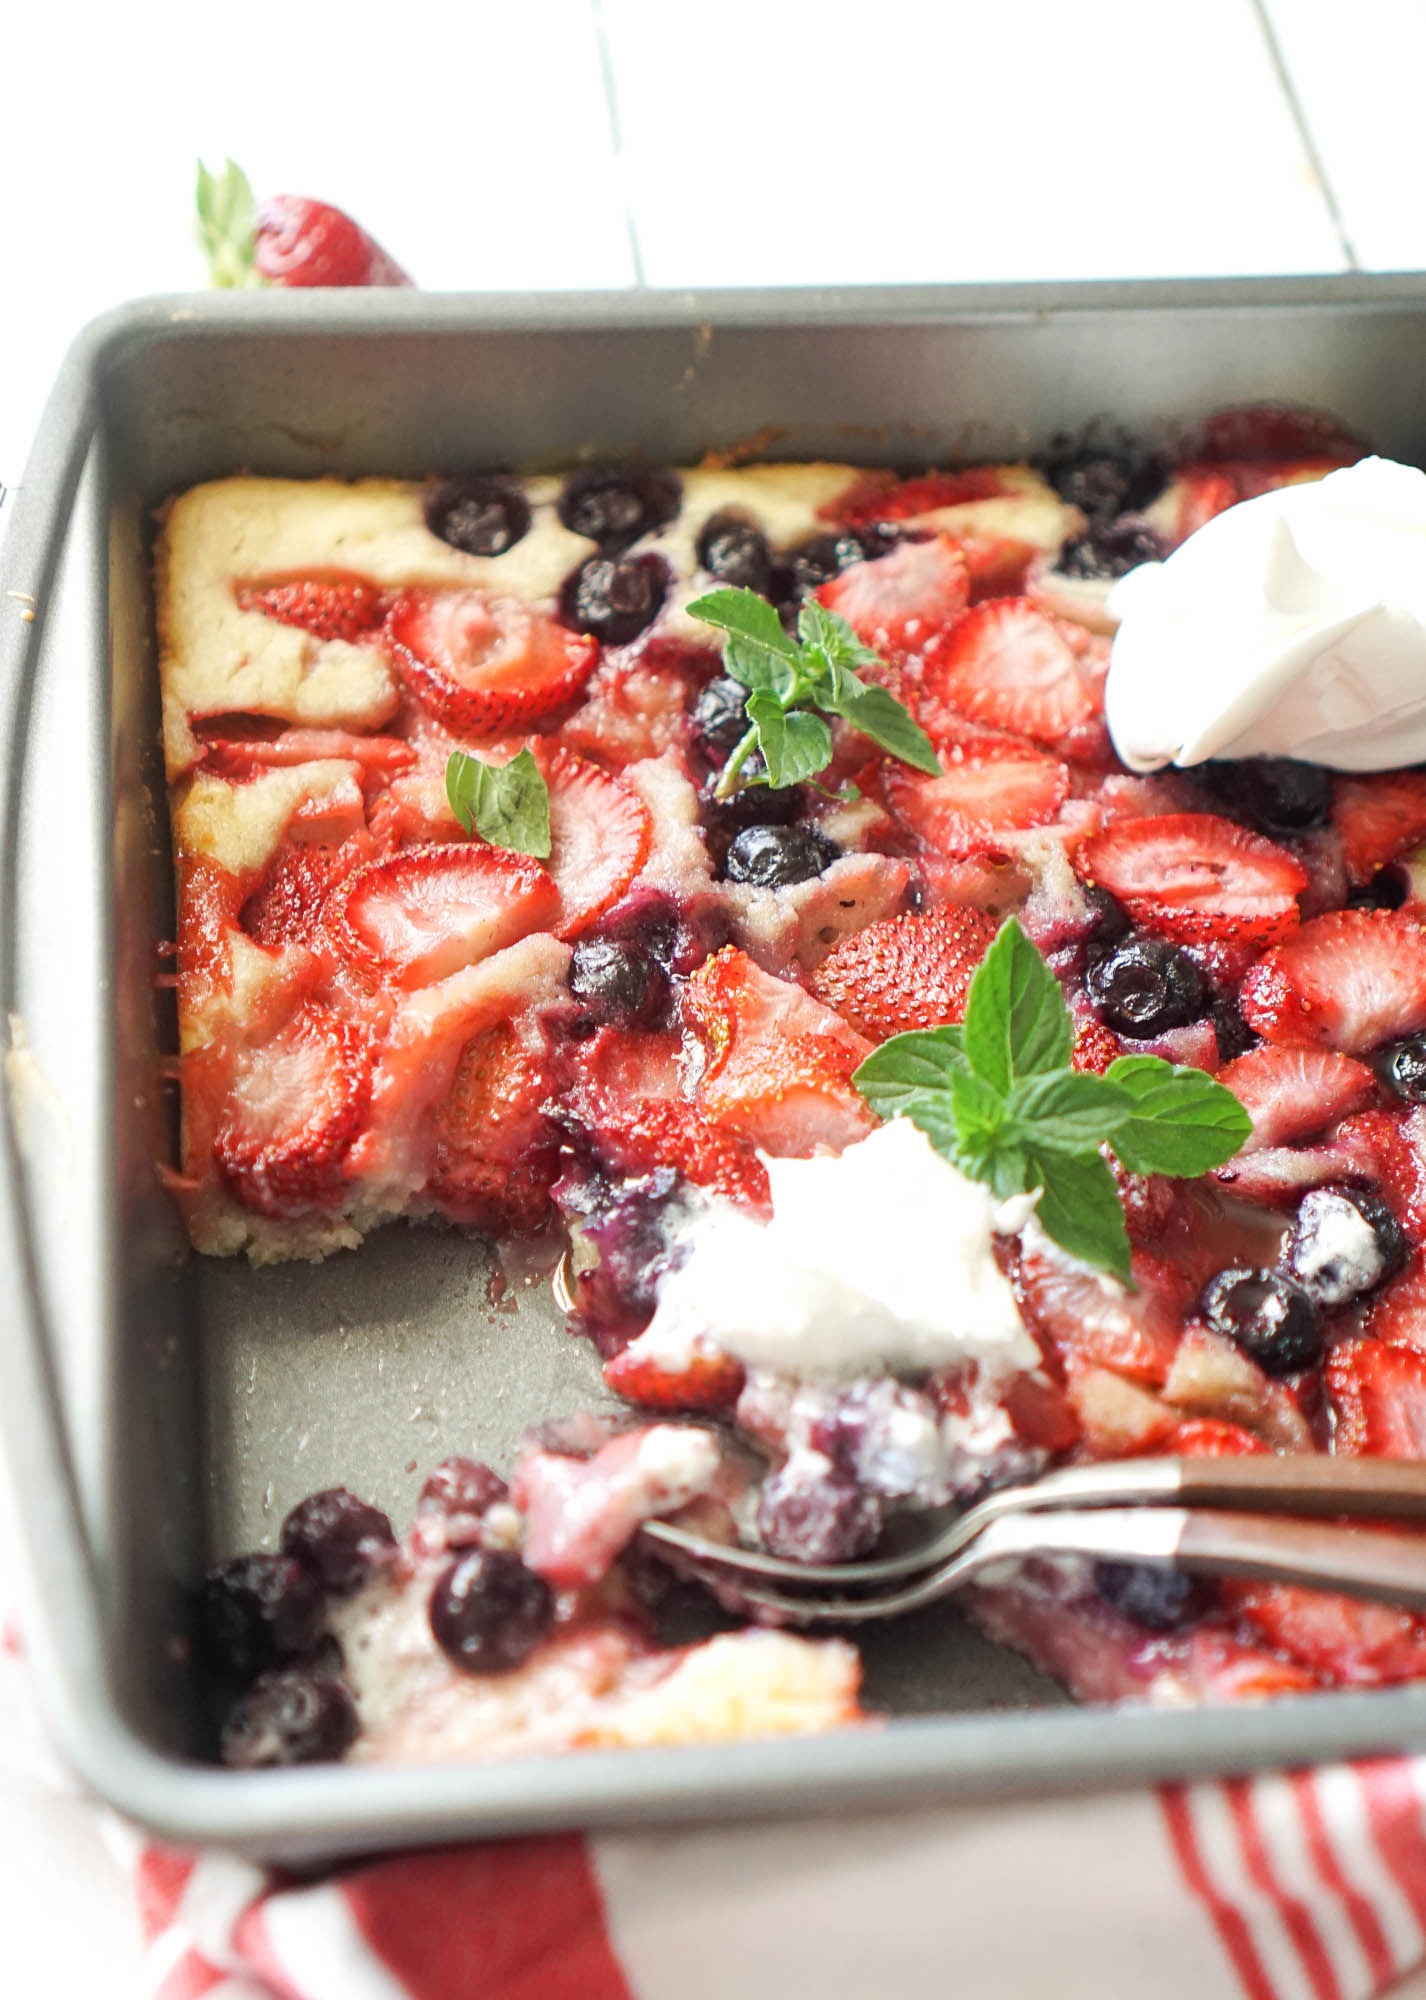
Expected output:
(1303, 1887)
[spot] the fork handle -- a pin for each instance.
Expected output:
(1295, 1483)
(1321, 1555)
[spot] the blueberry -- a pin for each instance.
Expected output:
(1158, 1599)
(1105, 472)
(482, 515)
(1267, 1314)
(626, 1225)
(719, 718)
(1385, 891)
(257, 1610)
(1344, 1242)
(618, 982)
(1108, 919)
(614, 599)
(293, 1716)
(774, 857)
(736, 553)
(339, 1538)
(1142, 986)
(809, 1512)
(813, 563)
(1277, 795)
(1402, 1066)
(1110, 549)
(462, 1486)
(615, 504)
(489, 1611)
(752, 805)
(1231, 1031)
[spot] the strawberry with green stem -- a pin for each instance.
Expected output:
(291, 240)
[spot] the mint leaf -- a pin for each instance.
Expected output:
(755, 668)
(833, 637)
(979, 1111)
(1080, 1209)
(880, 716)
(917, 1064)
(506, 804)
(1016, 1022)
(1180, 1121)
(794, 744)
(746, 616)
(1064, 1111)
(788, 678)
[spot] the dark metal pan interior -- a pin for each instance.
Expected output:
(202, 1399)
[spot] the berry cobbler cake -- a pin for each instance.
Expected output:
(731, 871)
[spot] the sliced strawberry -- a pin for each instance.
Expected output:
(600, 830)
(1211, 1377)
(297, 1102)
(909, 972)
(903, 601)
(708, 1380)
(1008, 666)
(1378, 818)
(1257, 431)
(1290, 1093)
(1397, 1315)
(999, 565)
(1083, 1320)
(1350, 980)
(286, 907)
(631, 709)
(1041, 1414)
(1095, 1048)
(1211, 1437)
(1349, 1643)
(1198, 493)
(635, 1135)
(579, 1512)
(418, 916)
(239, 746)
(778, 1063)
(1388, 1147)
(1378, 1396)
(988, 789)
(1195, 878)
(484, 664)
(328, 603)
(909, 498)
(495, 1151)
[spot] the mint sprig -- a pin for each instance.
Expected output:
(998, 1098)
(506, 804)
(793, 683)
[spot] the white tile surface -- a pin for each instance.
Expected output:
(475, 145)
(1358, 76)
(820, 140)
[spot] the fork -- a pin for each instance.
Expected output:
(1086, 1511)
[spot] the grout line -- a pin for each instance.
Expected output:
(1304, 133)
(616, 134)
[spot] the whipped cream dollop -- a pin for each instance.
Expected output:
(879, 1257)
(1293, 625)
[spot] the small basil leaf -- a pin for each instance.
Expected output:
(794, 744)
(506, 804)
(917, 1064)
(1066, 1111)
(746, 616)
(1179, 1120)
(1016, 1020)
(878, 714)
(1079, 1208)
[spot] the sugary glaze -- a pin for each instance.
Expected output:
(382, 1016)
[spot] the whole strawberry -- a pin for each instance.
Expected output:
(291, 240)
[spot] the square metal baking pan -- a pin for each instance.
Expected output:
(159, 1410)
